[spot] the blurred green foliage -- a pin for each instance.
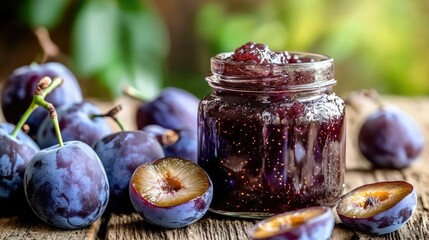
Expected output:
(115, 42)
(376, 44)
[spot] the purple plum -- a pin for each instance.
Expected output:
(18, 90)
(76, 123)
(312, 223)
(15, 154)
(390, 138)
(378, 208)
(171, 192)
(174, 108)
(121, 153)
(66, 186)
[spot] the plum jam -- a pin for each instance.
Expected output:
(272, 132)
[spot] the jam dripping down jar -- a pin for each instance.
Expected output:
(272, 136)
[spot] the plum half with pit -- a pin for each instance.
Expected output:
(121, 153)
(171, 192)
(306, 223)
(378, 208)
(66, 186)
(390, 138)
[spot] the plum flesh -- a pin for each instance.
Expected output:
(307, 223)
(378, 208)
(171, 192)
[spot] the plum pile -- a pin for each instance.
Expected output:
(84, 168)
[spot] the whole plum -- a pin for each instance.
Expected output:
(176, 143)
(121, 153)
(174, 108)
(15, 154)
(66, 186)
(390, 138)
(76, 123)
(17, 92)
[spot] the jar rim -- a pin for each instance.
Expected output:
(256, 77)
(319, 58)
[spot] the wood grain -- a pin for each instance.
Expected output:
(213, 227)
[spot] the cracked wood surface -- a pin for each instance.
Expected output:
(213, 227)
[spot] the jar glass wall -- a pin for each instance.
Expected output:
(272, 136)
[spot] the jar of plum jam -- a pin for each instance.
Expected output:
(272, 133)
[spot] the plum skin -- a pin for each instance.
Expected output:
(387, 221)
(174, 108)
(121, 153)
(15, 154)
(172, 217)
(67, 186)
(319, 227)
(75, 124)
(390, 138)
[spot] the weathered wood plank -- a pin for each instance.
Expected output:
(29, 227)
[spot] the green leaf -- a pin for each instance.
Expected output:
(46, 13)
(96, 37)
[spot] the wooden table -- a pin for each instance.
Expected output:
(212, 226)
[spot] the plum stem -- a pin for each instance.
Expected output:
(374, 96)
(50, 49)
(169, 137)
(46, 85)
(112, 113)
(134, 93)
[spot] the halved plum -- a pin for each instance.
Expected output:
(307, 223)
(171, 192)
(378, 208)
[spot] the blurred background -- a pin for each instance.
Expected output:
(151, 44)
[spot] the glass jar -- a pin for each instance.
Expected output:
(272, 137)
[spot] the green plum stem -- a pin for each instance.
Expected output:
(134, 93)
(112, 113)
(45, 86)
(52, 114)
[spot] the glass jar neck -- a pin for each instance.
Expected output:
(248, 77)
